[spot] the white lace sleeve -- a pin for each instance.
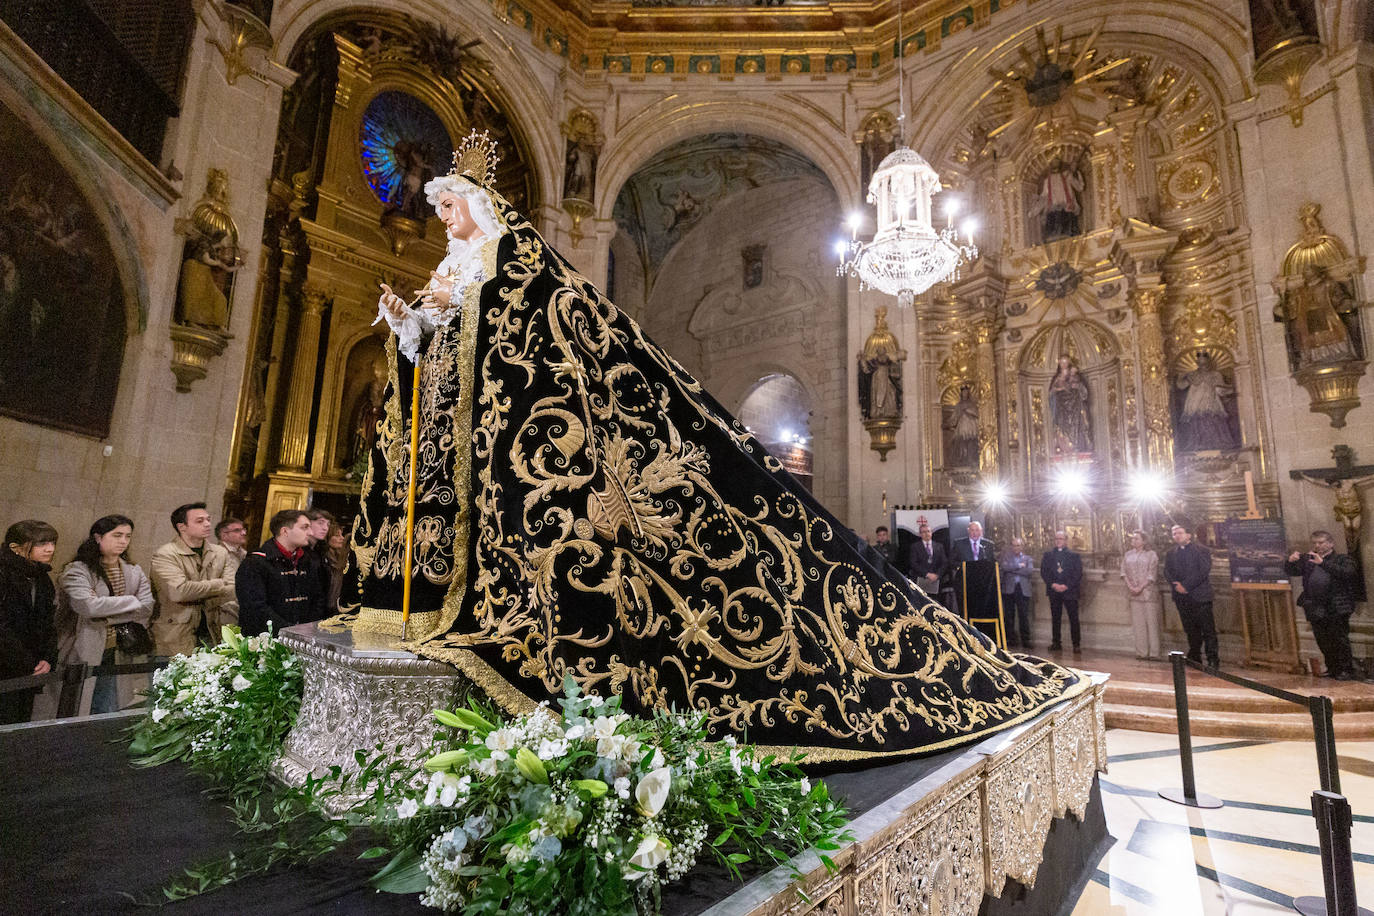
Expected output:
(409, 328)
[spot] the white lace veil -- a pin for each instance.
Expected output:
(479, 202)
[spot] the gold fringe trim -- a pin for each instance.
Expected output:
(516, 702)
(388, 623)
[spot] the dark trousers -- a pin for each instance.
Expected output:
(1016, 607)
(1058, 605)
(1201, 628)
(1333, 638)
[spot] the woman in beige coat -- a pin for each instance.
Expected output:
(1140, 569)
(98, 589)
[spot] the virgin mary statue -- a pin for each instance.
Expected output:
(584, 508)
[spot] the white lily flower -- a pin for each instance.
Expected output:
(407, 809)
(502, 739)
(652, 791)
(650, 853)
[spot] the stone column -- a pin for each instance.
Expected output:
(1154, 389)
(295, 434)
(985, 331)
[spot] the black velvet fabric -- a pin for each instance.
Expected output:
(585, 508)
(82, 831)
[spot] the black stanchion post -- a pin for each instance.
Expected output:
(69, 700)
(1188, 795)
(1332, 812)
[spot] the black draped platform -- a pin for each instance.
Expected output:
(83, 831)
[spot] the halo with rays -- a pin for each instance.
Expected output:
(1051, 77)
(1058, 276)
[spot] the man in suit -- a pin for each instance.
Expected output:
(1062, 570)
(1188, 569)
(975, 546)
(1329, 580)
(928, 561)
(1016, 592)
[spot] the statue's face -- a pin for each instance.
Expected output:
(457, 218)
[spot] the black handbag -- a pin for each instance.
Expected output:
(133, 639)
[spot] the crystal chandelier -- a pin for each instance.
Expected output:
(907, 255)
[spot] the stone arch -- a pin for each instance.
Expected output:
(670, 122)
(529, 107)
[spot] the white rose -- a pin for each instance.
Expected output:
(622, 787)
(241, 683)
(575, 732)
(407, 808)
(631, 752)
(651, 851)
(652, 791)
(603, 727)
(485, 766)
(160, 714)
(610, 747)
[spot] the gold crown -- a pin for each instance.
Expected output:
(477, 158)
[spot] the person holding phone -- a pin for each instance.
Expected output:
(1329, 581)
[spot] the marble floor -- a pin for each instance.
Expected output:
(1250, 857)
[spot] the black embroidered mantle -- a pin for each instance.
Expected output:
(586, 507)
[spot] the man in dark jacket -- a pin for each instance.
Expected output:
(280, 581)
(1188, 569)
(1062, 570)
(28, 636)
(1329, 580)
(927, 561)
(975, 546)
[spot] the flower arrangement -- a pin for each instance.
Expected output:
(224, 709)
(587, 811)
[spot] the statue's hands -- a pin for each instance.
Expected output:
(437, 294)
(393, 303)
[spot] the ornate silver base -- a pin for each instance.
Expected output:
(360, 692)
(948, 842)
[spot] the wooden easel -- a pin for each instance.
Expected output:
(1268, 617)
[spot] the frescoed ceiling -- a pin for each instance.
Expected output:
(675, 189)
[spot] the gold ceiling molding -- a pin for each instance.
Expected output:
(813, 41)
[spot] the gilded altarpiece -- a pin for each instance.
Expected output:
(1119, 345)
(375, 114)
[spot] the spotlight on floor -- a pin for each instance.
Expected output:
(1069, 483)
(1146, 487)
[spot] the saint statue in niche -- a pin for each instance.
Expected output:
(579, 172)
(880, 372)
(1206, 411)
(1322, 319)
(1070, 429)
(366, 413)
(210, 258)
(1059, 205)
(961, 428)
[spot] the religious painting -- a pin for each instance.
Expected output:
(1204, 404)
(63, 316)
(403, 145)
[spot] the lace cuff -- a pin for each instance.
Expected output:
(410, 328)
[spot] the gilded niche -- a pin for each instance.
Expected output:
(1319, 309)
